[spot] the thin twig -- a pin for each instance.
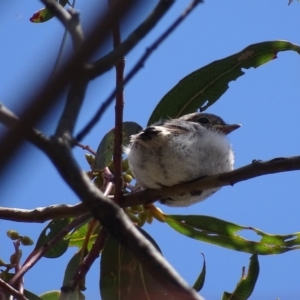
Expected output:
(87, 128)
(108, 61)
(70, 19)
(4, 286)
(86, 147)
(118, 131)
(20, 282)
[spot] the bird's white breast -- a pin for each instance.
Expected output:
(171, 159)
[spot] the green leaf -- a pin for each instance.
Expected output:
(78, 237)
(48, 233)
(225, 234)
(198, 285)
(72, 267)
(123, 277)
(50, 295)
(45, 14)
(105, 149)
(247, 283)
(209, 83)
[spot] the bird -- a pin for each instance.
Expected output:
(174, 151)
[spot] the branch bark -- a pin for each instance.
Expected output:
(255, 169)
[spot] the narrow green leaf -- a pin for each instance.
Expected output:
(72, 267)
(206, 85)
(105, 149)
(247, 283)
(48, 233)
(123, 277)
(78, 236)
(198, 285)
(45, 14)
(226, 234)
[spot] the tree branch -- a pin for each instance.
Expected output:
(255, 169)
(70, 19)
(118, 131)
(42, 214)
(108, 61)
(7, 288)
(72, 107)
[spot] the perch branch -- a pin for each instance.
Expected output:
(255, 169)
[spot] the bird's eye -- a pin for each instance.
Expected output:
(203, 121)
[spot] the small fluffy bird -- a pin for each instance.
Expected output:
(174, 151)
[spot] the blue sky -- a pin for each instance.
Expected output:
(265, 101)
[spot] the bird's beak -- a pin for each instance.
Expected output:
(226, 129)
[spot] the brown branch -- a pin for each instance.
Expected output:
(109, 215)
(108, 61)
(97, 116)
(42, 214)
(257, 168)
(8, 289)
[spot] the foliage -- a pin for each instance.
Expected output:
(121, 273)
